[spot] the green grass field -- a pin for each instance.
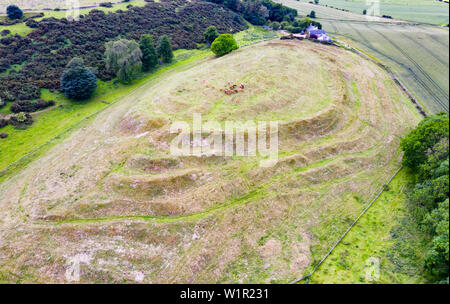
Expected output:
(417, 54)
(373, 237)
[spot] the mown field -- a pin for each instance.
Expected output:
(426, 11)
(111, 196)
(417, 54)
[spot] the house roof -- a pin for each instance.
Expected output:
(317, 32)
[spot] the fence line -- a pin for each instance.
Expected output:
(307, 277)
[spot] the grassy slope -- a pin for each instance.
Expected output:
(68, 114)
(372, 237)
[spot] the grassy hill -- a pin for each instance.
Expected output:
(111, 196)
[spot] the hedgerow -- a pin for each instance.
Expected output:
(31, 106)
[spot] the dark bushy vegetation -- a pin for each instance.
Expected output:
(77, 81)
(427, 154)
(14, 12)
(258, 12)
(31, 106)
(224, 44)
(149, 55)
(21, 120)
(164, 50)
(299, 26)
(46, 51)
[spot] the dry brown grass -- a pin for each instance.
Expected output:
(113, 194)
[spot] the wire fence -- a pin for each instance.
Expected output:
(383, 188)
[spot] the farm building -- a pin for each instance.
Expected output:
(313, 32)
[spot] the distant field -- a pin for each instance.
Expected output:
(52, 4)
(22, 29)
(417, 54)
(427, 11)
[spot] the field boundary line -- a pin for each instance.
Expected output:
(416, 103)
(383, 188)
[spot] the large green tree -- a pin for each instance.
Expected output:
(77, 81)
(124, 59)
(149, 55)
(165, 49)
(14, 12)
(210, 34)
(224, 44)
(427, 154)
(428, 133)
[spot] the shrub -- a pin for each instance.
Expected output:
(48, 49)
(31, 106)
(211, 34)
(275, 26)
(106, 4)
(421, 140)
(165, 49)
(293, 29)
(3, 135)
(312, 14)
(5, 32)
(124, 59)
(149, 56)
(21, 120)
(14, 12)
(77, 81)
(3, 122)
(224, 44)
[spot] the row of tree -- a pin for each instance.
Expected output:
(297, 26)
(258, 12)
(426, 153)
(125, 59)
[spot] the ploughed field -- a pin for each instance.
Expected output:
(416, 53)
(113, 198)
